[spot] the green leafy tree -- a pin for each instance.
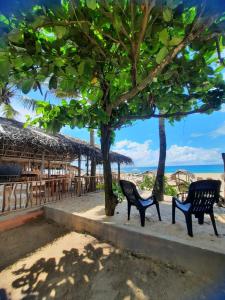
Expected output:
(110, 54)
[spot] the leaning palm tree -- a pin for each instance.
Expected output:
(7, 93)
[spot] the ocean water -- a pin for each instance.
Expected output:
(172, 169)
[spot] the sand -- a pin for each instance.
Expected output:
(92, 206)
(197, 176)
(67, 265)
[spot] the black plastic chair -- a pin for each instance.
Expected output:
(200, 200)
(133, 198)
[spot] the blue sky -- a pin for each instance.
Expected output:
(197, 139)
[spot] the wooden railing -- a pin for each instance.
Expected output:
(26, 194)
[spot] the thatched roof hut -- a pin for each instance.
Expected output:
(17, 141)
(96, 152)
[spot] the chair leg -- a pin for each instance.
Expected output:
(201, 219)
(158, 211)
(188, 218)
(173, 212)
(214, 223)
(128, 210)
(142, 216)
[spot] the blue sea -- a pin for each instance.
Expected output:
(172, 169)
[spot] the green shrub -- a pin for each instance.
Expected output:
(149, 181)
(169, 190)
(100, 186)
(117, 191)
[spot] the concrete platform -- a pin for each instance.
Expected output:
(159, 240)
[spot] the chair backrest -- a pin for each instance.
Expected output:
(130, 191)
(203, 194)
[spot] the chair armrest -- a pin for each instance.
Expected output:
(175, 199)
(184, 206)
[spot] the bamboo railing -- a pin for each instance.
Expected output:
(26, 194)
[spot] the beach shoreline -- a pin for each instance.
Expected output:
(218, 168)
(137, 178)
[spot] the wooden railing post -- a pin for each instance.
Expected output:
(87, 165)
(25, 194)
(79, 165)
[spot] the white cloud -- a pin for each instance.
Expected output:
(197, 134)
(220, 131)
(143, 155)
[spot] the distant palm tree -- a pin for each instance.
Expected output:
(159, 186)
(6, 94)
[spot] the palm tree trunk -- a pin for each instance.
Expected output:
(158, 189)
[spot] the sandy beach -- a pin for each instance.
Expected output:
(137, 178)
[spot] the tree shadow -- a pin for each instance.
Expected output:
(97, 274)
(69, 278)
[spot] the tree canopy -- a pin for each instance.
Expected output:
(121, 60)
(107, 49)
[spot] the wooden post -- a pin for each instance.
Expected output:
(87, 165)
(223, 157)
(93, 162)
(42, 164)
(79, 165)
(49, 171)
(118, 172)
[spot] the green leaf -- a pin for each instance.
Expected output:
(164, 36)
(60, 31)
(189, 15)
(175, 41)
(28, 61)
(18, 62)
(167, 14)
(4, 67)
(81, 68)
(91, 4)
(161, 55)
(219, 69)
(67, 85)
(59, 61)
(53, 82)
(71, 70)
(117, 22)
(16, 36)
(27, 85)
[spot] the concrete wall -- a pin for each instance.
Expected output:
(203, 262)
(18, 218)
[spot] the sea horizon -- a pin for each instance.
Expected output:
(171, 169)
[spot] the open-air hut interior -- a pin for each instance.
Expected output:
(29, 151)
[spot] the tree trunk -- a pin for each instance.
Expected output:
(223, 157)
(93, 162)
(158, 189)
(110, 199)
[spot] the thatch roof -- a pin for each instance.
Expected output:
(17, 141)
(114, 156)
